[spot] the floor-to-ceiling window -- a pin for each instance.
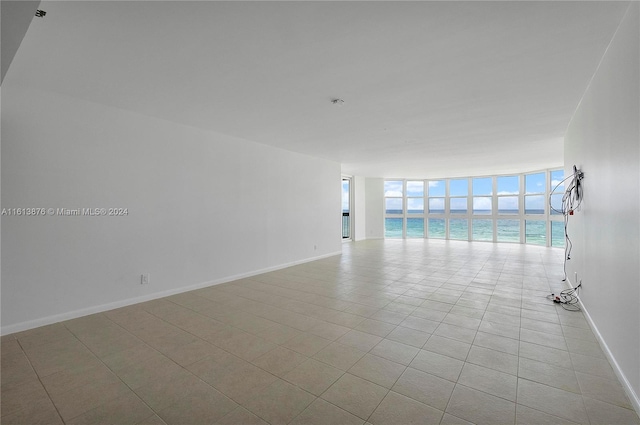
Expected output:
(508, 205)
(394, 208)
(415, 209)
(482, 209)
(346, 208)
(518, 208)
(557, 188)
(535, 224)
(458, 207)
(436, 213)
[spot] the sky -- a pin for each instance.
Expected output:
(481, 191)
(345, 195)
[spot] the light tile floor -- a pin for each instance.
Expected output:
(390, 332)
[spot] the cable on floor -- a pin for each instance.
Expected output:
(567, 298)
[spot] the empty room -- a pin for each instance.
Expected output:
(320, 212)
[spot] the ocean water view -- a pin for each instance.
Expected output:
(507, 229)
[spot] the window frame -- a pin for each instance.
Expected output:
(470, 215)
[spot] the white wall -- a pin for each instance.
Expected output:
(202, 207)
(374, 191)
(360, 208)
(15, 18)
(603, 140)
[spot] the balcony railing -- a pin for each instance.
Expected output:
(346, 225)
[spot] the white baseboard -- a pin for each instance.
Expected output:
(633, 396)
(23, 326)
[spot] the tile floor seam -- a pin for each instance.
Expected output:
(163, 355)
(518, 365)
(116, 374)
(306, 292)
(378, 405)
(333, 404)
(573, 370)
(402, 277)
(40, 381)
(444, 411)
(548, 413)
(205, 341)
(485, 392)
(255, 397)
(186, 308)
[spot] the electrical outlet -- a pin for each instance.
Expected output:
(145, 279)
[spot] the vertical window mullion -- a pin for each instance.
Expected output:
(436, 190)
(494, 207)
(415, 195)
(404, 209)
(394, 200)
(447, 208)
(469, 210)
(547, 208)
(425, 207)
(521, 208)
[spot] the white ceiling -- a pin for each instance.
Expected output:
(430, 89)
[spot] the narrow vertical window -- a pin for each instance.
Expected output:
(458, 193)
(556, 189)
(508, 191)
(393, 193)
(535, 232)
(534, 205)
(415, 209)
(436, 196)
(482, 230)
(436, 228)
(415, 227)
(392, 227)
(459, 229)
(415, 197)
(346, 208)
(534, 201)
(482, 196)
(556, 193)
(394, 208)
(557, 234)
(508, 230)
